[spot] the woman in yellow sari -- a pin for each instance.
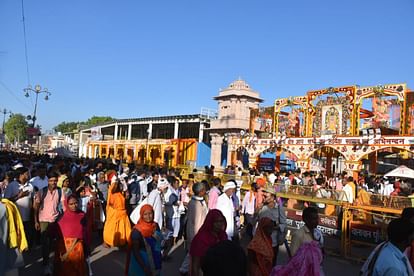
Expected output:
(117, 227)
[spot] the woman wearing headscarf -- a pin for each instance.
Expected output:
(211, 232)
(144, 252)
(307, 261)
(117, 226)
(260, 250)
(397, 188)
(72, 240)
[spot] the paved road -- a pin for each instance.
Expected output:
(111, 262)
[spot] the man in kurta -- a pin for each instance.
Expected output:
(308, 232)
(196, 214)
(156, 201)
(225, 205)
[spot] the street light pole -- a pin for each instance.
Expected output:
(3, 139)
(5, 112)
(37, 90)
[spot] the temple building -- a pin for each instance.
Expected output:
(234, 106)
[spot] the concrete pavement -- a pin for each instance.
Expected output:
(111, 261)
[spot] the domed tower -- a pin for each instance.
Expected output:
(234, 105)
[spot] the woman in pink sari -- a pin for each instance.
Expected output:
(306, 261)
(211, 232)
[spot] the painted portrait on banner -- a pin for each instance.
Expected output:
(331, 119)
(380, 109)
(96, 134)
(262, 119)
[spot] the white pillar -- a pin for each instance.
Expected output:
(201, 133)
(116, 132)
(216, 143)
(149, 131)
(176, 129)
(129, 131)
(229, 141)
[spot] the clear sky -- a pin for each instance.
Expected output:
(132, 58)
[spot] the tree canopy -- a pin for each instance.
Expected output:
(15, 128)
(65, 127)
(96, 120)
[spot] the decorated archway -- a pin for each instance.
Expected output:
(327, 159)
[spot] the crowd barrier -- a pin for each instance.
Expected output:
(353, 228)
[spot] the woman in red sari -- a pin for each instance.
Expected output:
(117, 226)
(260, 250)
(211, 232)
(70, 251)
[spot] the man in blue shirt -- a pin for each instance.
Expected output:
(388, 258)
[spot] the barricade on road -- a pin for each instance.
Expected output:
(355, 228)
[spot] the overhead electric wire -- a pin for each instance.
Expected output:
(14, 95)
(25, 45)
(25, 50)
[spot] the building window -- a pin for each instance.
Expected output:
(162, 131)
(139, 131)
(188, 130)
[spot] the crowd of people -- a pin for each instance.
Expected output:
(147, 210)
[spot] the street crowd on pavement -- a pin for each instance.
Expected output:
(59, 204)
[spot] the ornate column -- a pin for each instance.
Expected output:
(252, 159)
(216, 143)
(353, 167)
(303, 164)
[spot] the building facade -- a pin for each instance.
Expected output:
(166, 140)
(234, 107)
(357, 125)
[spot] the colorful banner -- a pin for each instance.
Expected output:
(369, 233)
(328, 225)
(331, 119)
(262, 119)
(96, 134)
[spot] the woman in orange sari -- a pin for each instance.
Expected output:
(71, 247)
(117, 226)
(260, 250)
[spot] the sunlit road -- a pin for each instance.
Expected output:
(110, 261)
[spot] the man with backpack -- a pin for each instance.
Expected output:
(48, 207)
(134, 192)
(142, 185)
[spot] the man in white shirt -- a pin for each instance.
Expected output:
(40, 181)
(348, 192)
(21, 192)
(248, 209)
(225, 205)
(388, 187)
(272, 178)
(143, 185)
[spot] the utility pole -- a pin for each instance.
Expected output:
(37, 90)
(3, 139)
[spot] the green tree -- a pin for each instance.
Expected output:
(65, 127)
(96, 120)
(15, 128)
